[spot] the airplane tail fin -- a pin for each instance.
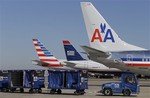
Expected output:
(101, 35)
(70, 52)
(46, 58)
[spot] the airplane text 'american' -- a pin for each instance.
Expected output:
(107, 32)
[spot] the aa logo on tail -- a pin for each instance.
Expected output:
(107, 32)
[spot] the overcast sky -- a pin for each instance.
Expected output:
(52, 21)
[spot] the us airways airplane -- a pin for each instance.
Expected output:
(75, 60)
(46, 57)
(107, 48)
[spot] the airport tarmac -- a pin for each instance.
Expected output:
(94, 86)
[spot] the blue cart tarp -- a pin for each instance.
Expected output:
(4, 80)
(67, 79)
(33, 79)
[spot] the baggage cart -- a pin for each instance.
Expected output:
(32, 79)
(4, 81)
(67, 79)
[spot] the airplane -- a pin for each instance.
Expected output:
(46, 57)
(107, 48)
(75, 60)
(49, 61)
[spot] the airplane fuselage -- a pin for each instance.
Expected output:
(94, 66)
(136, 61)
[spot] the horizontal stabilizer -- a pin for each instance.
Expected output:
(95, 52)
(37, 62)
(69, 64)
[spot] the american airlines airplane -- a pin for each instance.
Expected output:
(75, 60)
(107, 48)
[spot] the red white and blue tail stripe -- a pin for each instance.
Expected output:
(45, 56)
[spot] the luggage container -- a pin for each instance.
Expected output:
(4, 81)
(67, 79)
(33, 79)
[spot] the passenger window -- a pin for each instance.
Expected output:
(143, 59)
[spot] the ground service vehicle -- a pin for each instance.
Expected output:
(127, 86)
